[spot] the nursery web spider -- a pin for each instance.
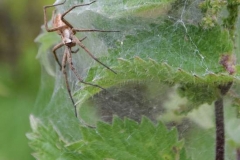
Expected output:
(67, 33)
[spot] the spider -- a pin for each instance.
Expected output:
(69, 40)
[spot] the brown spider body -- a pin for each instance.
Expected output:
(57, 22)
(64, 31)
(69, 40)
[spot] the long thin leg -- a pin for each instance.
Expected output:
(64, 60)
(69, 59)
(78, 48)
(45, 16)
(72, 51)
(54, 52)
(90, 54)
(82, 39)
(53, 14)
(65, 13)
(91, 30)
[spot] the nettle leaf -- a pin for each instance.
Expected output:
(124, 139)
(46, 141)
(44, 55)
(151, 8)
(128, 140)
(165, 52)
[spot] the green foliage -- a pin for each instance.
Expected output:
(136, 7)
(122, 140)
(19, 74)
(166, 53)
(154, 46)
(212, 10)
(47, 40)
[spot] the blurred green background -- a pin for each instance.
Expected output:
(19, 73)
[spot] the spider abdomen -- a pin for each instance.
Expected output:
(66, 35)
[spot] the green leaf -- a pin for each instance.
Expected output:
(129, 140)
(151, 8)
(46, 40)
(46, 142)
(169, 53)
(122, 140)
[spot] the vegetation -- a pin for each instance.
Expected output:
(174, 60)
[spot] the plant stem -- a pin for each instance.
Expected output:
(220, 135)
(238, 154)
(219, 120)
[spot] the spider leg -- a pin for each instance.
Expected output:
(45, 16)
(53, 14)
(90, 54)
(78, 48)
(64, 14)
(91, 30)
(82, 39)
(69, 59)
(64, 60)
(54, 53)
(75, 50)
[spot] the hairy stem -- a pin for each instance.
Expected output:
(220, 135)
(219, 120)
